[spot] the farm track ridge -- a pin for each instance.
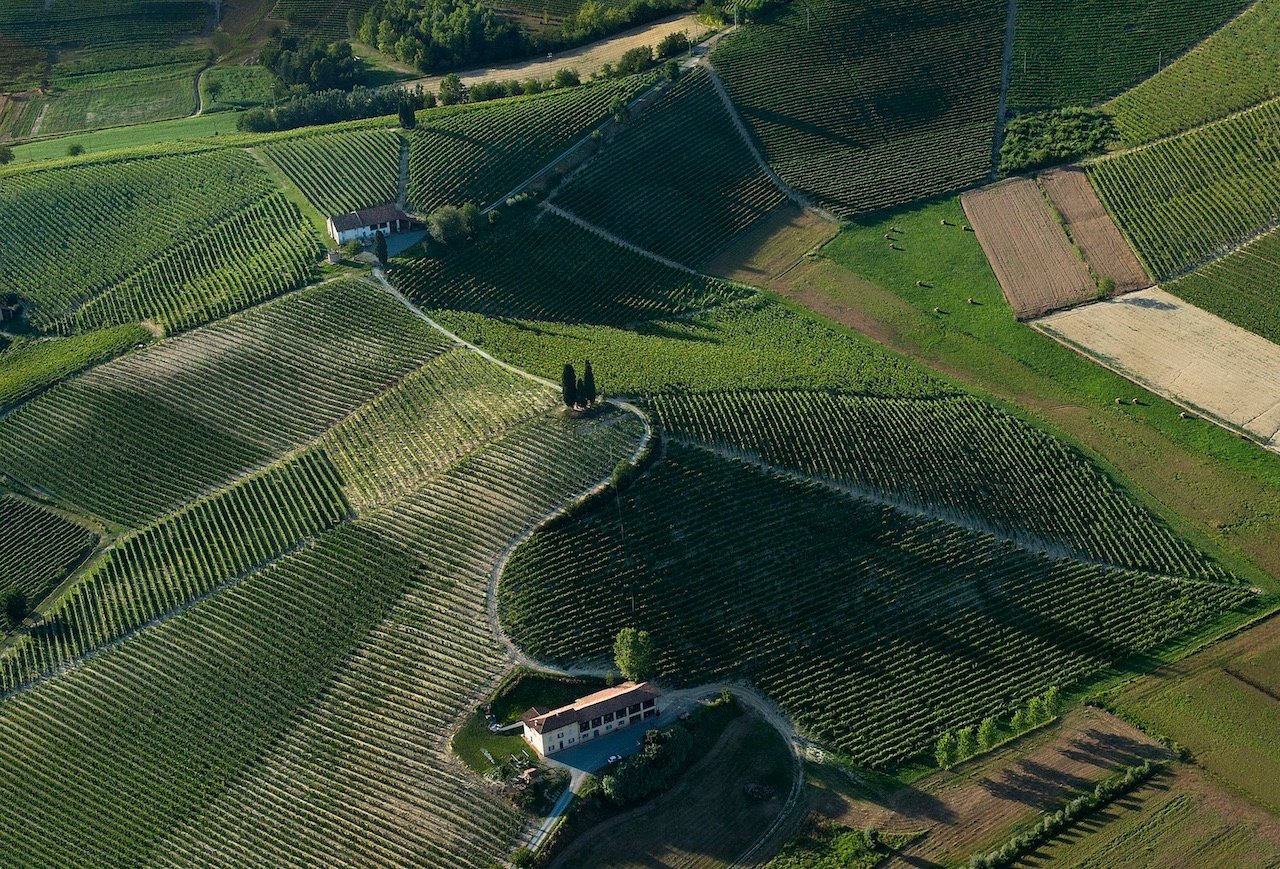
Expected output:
(1006, 72)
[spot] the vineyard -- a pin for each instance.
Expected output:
(1067, 54)
(1235, 68)
(565, 274)
(40, 547)
(112, 220)
(1184, 200)
(957, 458)
(29, 366)
(146, 433)
(364, 778)
(480, 152)
(867, 107)
(175, 715)
(341, 172)
(1240, 287)
(152, 573)
(875, 630)
(678, 180)
(324, 18)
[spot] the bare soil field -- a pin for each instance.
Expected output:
(1222, 704)
(772, 246)
(1032, 257)
(1093, 230)
(1180, 818)
(974, 806)
(1183, 353)
(586, 60)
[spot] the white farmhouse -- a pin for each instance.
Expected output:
(365, 223)
(587, 717)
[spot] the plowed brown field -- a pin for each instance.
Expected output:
(1032, 257)
(1093, 230)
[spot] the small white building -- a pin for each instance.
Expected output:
(586, 718)
(364, 224)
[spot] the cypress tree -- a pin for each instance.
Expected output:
(408, 120)
(380, 247)
(569, 386)
(580, 392)
(589, 383)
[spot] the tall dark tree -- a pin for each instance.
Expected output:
(589, 392)
(380, 247)
(581, 392)
(15, 607)
(569, 386)
(408, 120)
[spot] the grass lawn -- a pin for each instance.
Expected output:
(236, 87)
(153, 133)
(474, 739)
(525, 689)
(1214, 488)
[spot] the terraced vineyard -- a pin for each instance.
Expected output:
(678, 181)
(40, 547)
(179, 712)
(566, 274)
(862, 107)
(146, 203)
(1239, 287)
(150, 574)
(341, 172)
(1233, 69)
(956, 458)
(874, 629)
(1186, 199)
(147, 432)
(364, 778)
(1066, 54)
(480, 152)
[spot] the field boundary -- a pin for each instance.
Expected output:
(1006, 74)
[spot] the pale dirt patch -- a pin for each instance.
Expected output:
(586, 60)
(1093, 230)
(1032, 257)
(772, 246)
(975, 805)
(1183, 353)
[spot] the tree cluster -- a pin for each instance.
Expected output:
(1058, 136)
(1052, 825)
(313, 64)
(435, 35)
(578, 392)
(665, 754)
(329, 107)
(953, 746)
(453, 224)
(633, 654)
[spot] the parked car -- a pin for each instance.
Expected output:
(494, 727)
(614, 758)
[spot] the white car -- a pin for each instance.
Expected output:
(613, 758)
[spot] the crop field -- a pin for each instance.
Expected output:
(365, 776)
(236, 87)
(1233, 69)
(40, 547)
(26, 367)
(147, 432)
(1187, 199)
(1179, 819)
(1239, 287)
(713, 566)
(87, 24)
(567, 274)
(342, 172)
(863, 108)
(678, 180)
(955, 458)
(1092, 229)
(480, 152)
(93, 100)
(1080, 54)
(1186, 354)
(1032, 257)
(147, 203)
(151, 573)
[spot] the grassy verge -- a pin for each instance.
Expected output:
(153, 133)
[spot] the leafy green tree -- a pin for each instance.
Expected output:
(633, 653)
(6, 155)
(408, 120)
(75, 149)
(446, 224)
(966, 744)
(619, 109)
(569, 386)
(15, 606)
(635, 60)
(671, 69)
(945, 753)
(451, 90)
(987, 733)
(470, 214)
(1052, 701)
(1035, 712)
(673, 44)
(567, 77)
(1020, 720)
(380, 247)
(588, 384)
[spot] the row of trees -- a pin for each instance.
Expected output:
(578, 392)
(956, 745)
(664, 756)
(331, 106)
